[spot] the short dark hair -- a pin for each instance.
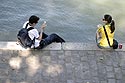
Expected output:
(33, 19)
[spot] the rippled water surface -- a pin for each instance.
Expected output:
(74, 20)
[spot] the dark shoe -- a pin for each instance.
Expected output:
(42, 44)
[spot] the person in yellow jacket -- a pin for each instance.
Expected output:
(109, 25)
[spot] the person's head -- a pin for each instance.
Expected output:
(108, 20)
(33, 19)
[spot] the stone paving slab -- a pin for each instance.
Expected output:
(58, 46)
(61, 66)
(15, 46)
(67, 65)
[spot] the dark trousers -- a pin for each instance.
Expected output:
(48, 39)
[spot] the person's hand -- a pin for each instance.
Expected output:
(43, 25)
(99, 25)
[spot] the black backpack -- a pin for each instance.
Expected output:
(23, 37)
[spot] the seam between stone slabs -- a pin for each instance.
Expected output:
(59, 46)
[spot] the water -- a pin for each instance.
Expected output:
(74, 20)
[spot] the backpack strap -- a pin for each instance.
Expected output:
(106, 36)
(26, 26)
(30, 28)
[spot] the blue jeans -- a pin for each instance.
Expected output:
(48, 39)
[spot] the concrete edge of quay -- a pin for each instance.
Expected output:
(12, 45)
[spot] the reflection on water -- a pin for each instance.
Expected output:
(74, 20)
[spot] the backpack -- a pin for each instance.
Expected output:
(115, 44)
(23, 37)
